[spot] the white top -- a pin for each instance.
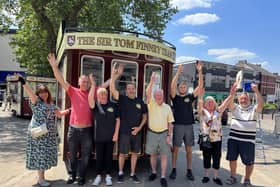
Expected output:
(211, 125)
(243, 123)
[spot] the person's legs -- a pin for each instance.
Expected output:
(133, 161)
(247, 154)
(86, 148)
(109, 147)
(216, 156)
(135, 147)
(206, 153)
(99, 151)
(124, 142)
(189, 157)
(41, 175)
(163, 161)
(174, 156)
(249, 171)
(41, 179)
(232, 155)
(73, 144)
(153, 161)
(100, 154)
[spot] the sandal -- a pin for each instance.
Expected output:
(231, 180)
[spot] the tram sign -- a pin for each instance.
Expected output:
(116, 42)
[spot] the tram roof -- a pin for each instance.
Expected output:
(113, 40)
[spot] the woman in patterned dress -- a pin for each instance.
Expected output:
(41, 152)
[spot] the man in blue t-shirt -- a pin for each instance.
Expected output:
(184, 119)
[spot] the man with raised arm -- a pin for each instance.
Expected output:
(159, 130)
(133, 116)
(80, 125)
(184, 119)
(242, 134)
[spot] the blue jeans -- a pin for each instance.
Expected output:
(79, 139)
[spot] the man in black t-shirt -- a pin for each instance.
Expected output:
(107, 124)
(184, 119)
(133, 116)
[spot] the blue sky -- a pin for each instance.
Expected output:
(227, 31)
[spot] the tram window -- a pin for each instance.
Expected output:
(149, 69)
(95, 65)
(130, 75)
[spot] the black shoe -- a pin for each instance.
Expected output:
(152, 177)
(120, 179)
(190, 175)
(71, 180)
(81, 181)
(218, 181)
(163, 182)
(173, 174)
(205, 179)
(135, 179)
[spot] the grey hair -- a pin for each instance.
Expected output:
(158, 90)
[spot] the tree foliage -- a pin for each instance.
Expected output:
(38, 22)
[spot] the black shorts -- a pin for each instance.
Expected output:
(246, 150)
(129, 143)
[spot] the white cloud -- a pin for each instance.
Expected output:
(198, 19)
(181, 59)
(231, 54)
(193, 39)
(189, 4)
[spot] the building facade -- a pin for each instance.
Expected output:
(267, 80)
(8, 63)
(218, 77)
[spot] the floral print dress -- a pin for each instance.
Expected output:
(41, 152)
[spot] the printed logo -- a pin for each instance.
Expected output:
(138, 106)
(71, 40)
(187, 100)
(110, 109)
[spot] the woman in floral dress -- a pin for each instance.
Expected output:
(41, 152)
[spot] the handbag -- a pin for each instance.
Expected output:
(40, 130)
(204, 141)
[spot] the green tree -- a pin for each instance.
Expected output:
(38, 22)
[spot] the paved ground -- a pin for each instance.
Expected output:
(14, 174)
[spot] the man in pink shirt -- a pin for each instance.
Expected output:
(80, 125)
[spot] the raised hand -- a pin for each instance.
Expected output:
(254, 87)
(180, 69)
(52, 60)
(153, 77)
(92, 80)
(199, 66)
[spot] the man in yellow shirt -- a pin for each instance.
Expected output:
(159, 130)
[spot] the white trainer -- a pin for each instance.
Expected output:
(97, 180)
(108, 180)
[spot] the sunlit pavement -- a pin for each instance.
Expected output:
(14, 174)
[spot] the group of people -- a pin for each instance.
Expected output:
(94, 115)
